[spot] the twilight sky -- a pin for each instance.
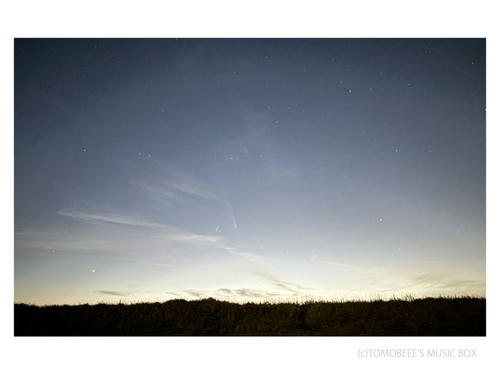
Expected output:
(248, 169)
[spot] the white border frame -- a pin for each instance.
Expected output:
(256, 18)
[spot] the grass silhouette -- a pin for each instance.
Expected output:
(455, 316)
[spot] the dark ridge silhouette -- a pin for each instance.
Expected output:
(461, 316)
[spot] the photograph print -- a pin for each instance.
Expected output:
(249, 187)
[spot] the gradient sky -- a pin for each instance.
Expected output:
(248, 169)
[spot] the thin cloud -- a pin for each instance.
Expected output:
(110, 219)
(230, 212)
(253, 293)
(112, 293)
(237, 292)
(163, 194)
(177, 186)
(170, 232)
(173, 294)
(251, 257)
(248, 256)
(195, 293)
(180, 182)
(286, 285)
(338, 264)
(126, 238)
(437, 281)
(194, 189)
(315, 258)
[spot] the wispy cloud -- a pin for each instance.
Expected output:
(112, 293)
(317, 259)
(441, 282)
(144, 242)
(48, 240)
(109, 219)
(193, 188)
(177, 187)
(178, 182)
(174, 294)
(282, 284)
(251, 257)
(338, 264)
(163, 194)
(232, 292)
(195, 293)
(168, 232)
(429, 283)
(230, 212)
(246, 292)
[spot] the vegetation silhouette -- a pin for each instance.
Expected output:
(456, 316)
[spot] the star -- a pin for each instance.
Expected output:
(380, 219)
(93, 271)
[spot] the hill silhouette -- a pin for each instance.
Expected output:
(463, 316)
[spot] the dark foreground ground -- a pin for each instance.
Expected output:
(420, 317)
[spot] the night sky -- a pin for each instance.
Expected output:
(248, 169)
